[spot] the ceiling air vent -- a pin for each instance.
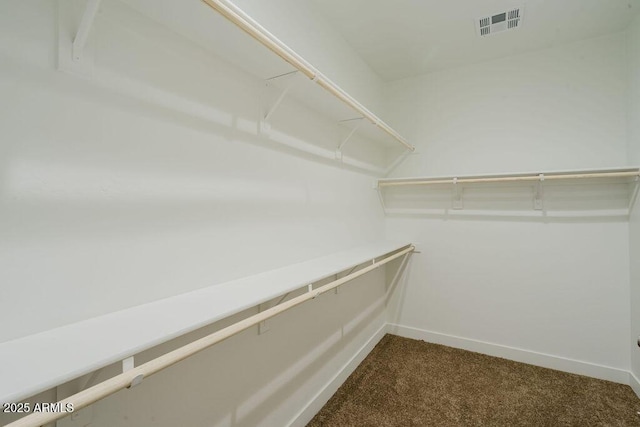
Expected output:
(499, 22)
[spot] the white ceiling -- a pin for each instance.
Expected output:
(403, 38)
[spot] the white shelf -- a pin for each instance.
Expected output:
(38, 362)
(374, 147)
(561, 194)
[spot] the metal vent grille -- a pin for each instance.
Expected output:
(499, 22)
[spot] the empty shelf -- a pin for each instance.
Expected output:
(577, 193)
(38, 362)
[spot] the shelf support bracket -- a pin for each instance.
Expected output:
(538, 194)
(378, 189)
(337, 275)
(396, 277)
(91, 381)
(265, 124)
(127, 365)
(456, 202)
(348, 137)
(310, 289)
(74, 27)
(634, 193)
(264, 326)
(80, 40)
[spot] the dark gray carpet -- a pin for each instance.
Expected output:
(406, 382)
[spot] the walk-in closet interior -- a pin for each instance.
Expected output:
(221, 213)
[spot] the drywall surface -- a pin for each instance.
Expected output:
(558, 108)
(145, 177)
(110, 200)
(557, 287)
(554, 288)
(633, 122)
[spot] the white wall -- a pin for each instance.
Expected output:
(633, 122)
(149, 180)
(555, 287)
(558, 108)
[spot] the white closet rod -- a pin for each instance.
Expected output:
(135, 375)
(258, 32)
(538, 177)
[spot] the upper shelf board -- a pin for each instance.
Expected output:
(622, 174)
(565, 193)
(199, 22)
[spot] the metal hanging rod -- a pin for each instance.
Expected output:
(258, 32)
(536, 177)
(134, 376)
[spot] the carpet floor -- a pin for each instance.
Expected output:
(405, 382)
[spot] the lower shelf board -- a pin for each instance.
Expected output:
(38, 362)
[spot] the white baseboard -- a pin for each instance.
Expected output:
(519, 355)
(634, 383)
(311, 409)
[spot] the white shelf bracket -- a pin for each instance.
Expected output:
(634, 193)
(310, 289)
(456, 199)
(80, 40)
(378, 190)
(74, 26)
(337, 275)
(538, 203)
(270, 109)
(91, 381)
(127, 365)
(396, 277)
(348, 137)
(264, 326)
